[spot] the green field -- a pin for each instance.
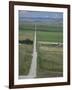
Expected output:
(50, 33)
(49, 36)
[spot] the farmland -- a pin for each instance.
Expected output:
(49, 56)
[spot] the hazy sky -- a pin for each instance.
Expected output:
(39, 14)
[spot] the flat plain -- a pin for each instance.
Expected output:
(49, 49)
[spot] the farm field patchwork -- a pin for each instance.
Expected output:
(49, 56)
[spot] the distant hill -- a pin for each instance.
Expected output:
(42, 20)
(40, 17)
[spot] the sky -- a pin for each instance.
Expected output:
(39, 14)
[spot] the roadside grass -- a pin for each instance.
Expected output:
(25, 52)
(49, 61)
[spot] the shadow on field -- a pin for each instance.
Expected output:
(27, 41)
